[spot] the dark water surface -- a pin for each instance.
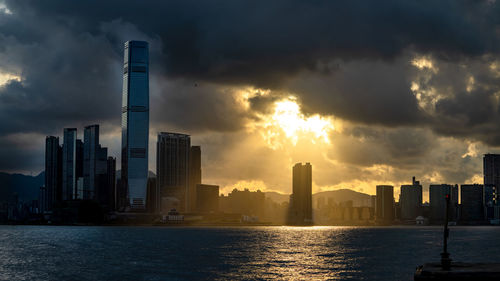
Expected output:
(233, 253)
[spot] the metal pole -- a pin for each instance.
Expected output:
(445, 256)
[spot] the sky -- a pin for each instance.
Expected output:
(368, 92)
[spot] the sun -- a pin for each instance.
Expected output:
(288, 123)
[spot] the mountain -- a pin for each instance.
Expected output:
(342, 195)
(277, 197)
(337, 196)
(27, 187)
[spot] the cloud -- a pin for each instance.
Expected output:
(410, 84)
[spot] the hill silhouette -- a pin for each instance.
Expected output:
(337, 196)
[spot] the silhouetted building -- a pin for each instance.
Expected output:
(410, 200)
(135, 123)
(43, 201)
(207, 198)
(111, 163)
(53, 174)
(194, 176)
(172, 166)
(437, 202)
(106, 181)
(301, 198)
(384, 210)
(72, 158)
(491, 172)
(91, 149)
(121, 196)
(471, 203)
(244, 202)
(152, 196)
(102, 190)
(490, 202)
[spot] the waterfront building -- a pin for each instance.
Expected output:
(301, 199)
(53, 173)
(471, 199)
(43, 201)
(135, 123)
(194, 176)
(70, 165)
(243, 202)
(491, 173)
(111, 182)
(410, 200)
(90, 158)
(437, 202)
(121, 196)
(207, 198)
(172, 167)
(152, 196)
(384, 210)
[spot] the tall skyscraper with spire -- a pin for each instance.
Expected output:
(135, 123)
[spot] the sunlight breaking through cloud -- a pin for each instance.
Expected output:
(288, 123)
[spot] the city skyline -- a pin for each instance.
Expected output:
(249, 140)
(415, 114)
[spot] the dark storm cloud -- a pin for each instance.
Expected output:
(468, 104)
(192, 106)
(374, 92)
(368, 146)
(22, 153)
(263, 42)
(347, 59)
(66, 82)
(69, 52)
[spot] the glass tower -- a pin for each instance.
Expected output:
(135, 122)
(69, 167)
(172, 168)
(53, 177)
(90, 150)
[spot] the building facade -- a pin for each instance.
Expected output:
(90, 159)
(172, 167)
(207, 198)
(194, 176)
(471, 199)
(384, 209)
(410, 200)
(69, 165)
(135, 123)
(53, 173)
(437, 202)
(491, 173)
(301, 199)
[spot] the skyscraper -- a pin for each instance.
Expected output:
(491, 169)
(301, 199)
(491, 172)
(384, 208)
(471, 199)
(135, 122)
(410, 200)
(172, 167)
(106, 191)
(437, 202)
(194, 176)
(53, 173)
(69, 169)
(90, 159)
